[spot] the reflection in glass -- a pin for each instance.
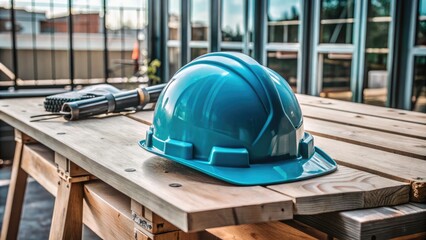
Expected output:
(419, 85)
(174, 54)
(285, 64)
(336, 21)
(283, 21)
(376, 79)
(232, 20)
(336, 75)
(199, 20)
(376, 75)
(196, 52)
(174, 20)
(421, 24)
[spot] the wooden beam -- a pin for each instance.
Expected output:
(407, 129)
(377, 223)
(344, 189)
(390, 113)
(407, 146)
(67, 220)
(382, 163)
(15, 196)
(38, 162)
(107, 211)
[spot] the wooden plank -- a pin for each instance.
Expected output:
(408, 129)
(67, 219)
(377, 223)
(383, 163)
(412, 147)
(262, 231)
(15, 197)
(106, 211)
(344, 189)
(108, 147)
(390, 113)
(38, 162)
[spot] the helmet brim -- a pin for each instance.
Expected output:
(287, 170)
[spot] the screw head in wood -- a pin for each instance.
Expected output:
(129, 169)
(175, 185)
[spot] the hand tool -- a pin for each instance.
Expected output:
(108, 103)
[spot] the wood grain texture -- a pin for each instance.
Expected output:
(390, 113)
(377, 223)
(67, 220)
(383, 163)
(407, 129)
(15, 196)
(344, 189)
(107, 211)
(261, 231)
(38, 162)
(407, 146)
(107, 147)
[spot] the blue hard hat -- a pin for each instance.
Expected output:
(227, 116)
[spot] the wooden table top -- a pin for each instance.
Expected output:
(380, 152)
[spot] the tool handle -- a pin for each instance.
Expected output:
(117, 102)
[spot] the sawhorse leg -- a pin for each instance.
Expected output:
(67, 220)
(16, 193)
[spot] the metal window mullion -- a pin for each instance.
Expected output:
(304, 54)
(163, 36)
(358, 55)
(405, 14)
(14, 47)
(215, 25)
(246, 34)
(260, 31)
(34, 41)
(185, 30)
(314, 85)
(391, 43)
(409, 73)
(105, 35)
(71, 50)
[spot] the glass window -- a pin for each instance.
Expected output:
(419, 85)
(232, 20)
(336, 21)
(199, 20)
(285, 64)
(174, 54)
(174, 20)
(376, 75)
(5, 44)
(283, 21)
(421, 24)
(336, 75)
(196, 52)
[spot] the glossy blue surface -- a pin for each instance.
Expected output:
(227, 116)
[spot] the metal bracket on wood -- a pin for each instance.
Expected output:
(141, 221)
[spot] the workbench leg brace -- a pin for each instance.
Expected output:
(16, 193)
(67, 221)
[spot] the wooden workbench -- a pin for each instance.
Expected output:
(381, 154)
